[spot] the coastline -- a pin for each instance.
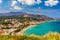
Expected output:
(30, 26)
(22, 31)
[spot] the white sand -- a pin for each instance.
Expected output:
(22, 31)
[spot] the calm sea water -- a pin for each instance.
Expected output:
(41, 29)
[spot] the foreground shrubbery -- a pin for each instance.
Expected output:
(49, 36)
(9, 37)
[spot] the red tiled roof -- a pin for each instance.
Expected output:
(1, 31)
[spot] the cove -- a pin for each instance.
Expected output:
(42, 29)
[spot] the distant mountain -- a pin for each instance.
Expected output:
(12, 13)
(39, 16)
(22, 14)
(57, 18)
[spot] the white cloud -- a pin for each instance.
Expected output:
(17, 8)
(51, 2)
(38, 1)
(13, 3)
(0, 1)
(29, 2)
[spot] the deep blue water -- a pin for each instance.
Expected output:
(41, 29)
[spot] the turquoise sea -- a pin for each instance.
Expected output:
(41, 29)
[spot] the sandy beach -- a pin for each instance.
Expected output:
(21, 32)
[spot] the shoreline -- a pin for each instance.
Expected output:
(30, 26)
(22, 31)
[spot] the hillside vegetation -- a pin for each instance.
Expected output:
(49, 36)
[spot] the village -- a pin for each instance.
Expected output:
(10, 25)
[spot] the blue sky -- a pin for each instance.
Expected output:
(44, 7)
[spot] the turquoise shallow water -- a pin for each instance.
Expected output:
(41, 29)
